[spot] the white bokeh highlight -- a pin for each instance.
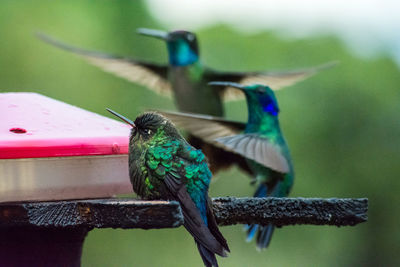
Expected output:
(367, 27)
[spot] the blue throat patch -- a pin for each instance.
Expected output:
(180, 53)
(271, 109)
(270, 106)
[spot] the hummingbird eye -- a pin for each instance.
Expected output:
(190, 37)
(147, 131)
(261, 90)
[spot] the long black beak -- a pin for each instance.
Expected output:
(131, 123)
(153, 33)
(228, 84)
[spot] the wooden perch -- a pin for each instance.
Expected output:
(289, 211)
(98, 213)
(131, 213)
(52, 233)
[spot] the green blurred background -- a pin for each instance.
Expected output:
(342, 126)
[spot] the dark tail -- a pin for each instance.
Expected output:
(208, 238)
(264, 233)
(207, 256)
(264, 236)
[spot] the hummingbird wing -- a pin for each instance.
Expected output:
(150, 75)
(204, 130)
(276, 80)
(257, 148)
(205, 127)
(178, 166)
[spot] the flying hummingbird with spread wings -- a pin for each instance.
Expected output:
(185, 77)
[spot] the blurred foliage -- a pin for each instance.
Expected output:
(342, 126)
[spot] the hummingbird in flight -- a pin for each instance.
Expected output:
(185, 77)
(259, 142)
(162, 165)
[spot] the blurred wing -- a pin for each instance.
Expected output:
(205, 127)
(258, 149)
(150, 75)
(203, 131)
(274, 79)
(192, 218)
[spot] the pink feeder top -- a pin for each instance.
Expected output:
(35, 126)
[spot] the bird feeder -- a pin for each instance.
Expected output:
(50, 150)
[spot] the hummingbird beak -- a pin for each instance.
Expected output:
(153, 33)
(131, 123)
(228, 84)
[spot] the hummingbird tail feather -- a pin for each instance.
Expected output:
(264, 233)
(252, 228)
(264, 236)
(213, 227)
(261, 191)
(207, 236)
(207, 256)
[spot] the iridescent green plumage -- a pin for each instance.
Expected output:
(162, 165)
(263, 121)
(169, 156)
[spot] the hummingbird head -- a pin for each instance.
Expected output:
(256, 94)
(182, 46)
(150, 126)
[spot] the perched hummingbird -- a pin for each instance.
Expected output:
(162, 165)
(259, 141)
(185, 77)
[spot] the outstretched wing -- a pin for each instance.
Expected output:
(150, 75)
(203, 131)
(205, 127)
(257, 148)
(274, 79)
